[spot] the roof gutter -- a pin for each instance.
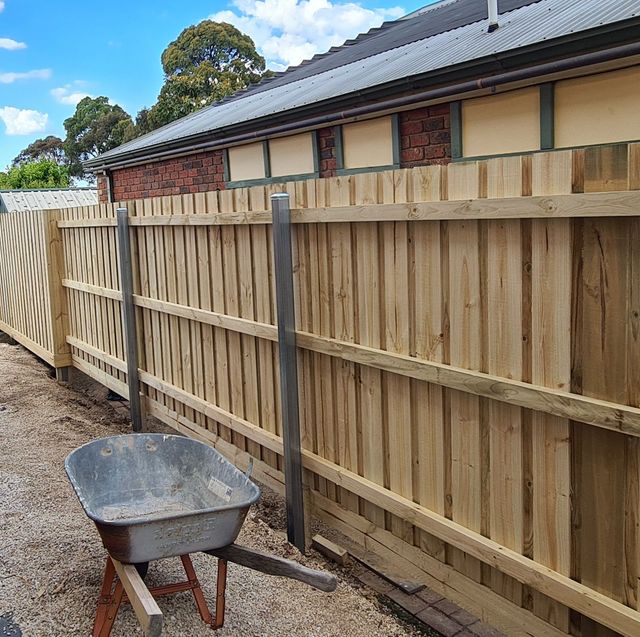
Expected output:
(492, 81)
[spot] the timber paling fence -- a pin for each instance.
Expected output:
(468, 355)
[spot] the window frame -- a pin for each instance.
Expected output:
(547, 127)
(268, 179)
(395, 150)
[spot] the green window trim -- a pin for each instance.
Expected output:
(395, 140)
(339, 149)
(547, 116)
(455, 117)
(226, 171)
(315, 144)
(283, 179)
(267, 159)
(341, 172)
(530, 153)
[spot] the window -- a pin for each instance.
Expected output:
(246, 162)
(598, 109)
(292, 155)
(369, 143)
(276, 160)
(499, 124)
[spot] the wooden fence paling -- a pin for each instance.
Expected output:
(468, 359)
(33, 307)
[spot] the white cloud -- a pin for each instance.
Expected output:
(11, 45)
(66, 95)
(1, 5)
(289, 31)
(23, 121)
(38, 74)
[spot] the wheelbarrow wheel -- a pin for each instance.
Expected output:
(142, 568)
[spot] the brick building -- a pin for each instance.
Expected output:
(436, 86)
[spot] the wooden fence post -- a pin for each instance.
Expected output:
(288, 369)
(129, 318)
(57, 295)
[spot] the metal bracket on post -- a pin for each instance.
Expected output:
(129, 318)
(288, 369)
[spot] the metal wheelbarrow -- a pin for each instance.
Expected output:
(153, 496)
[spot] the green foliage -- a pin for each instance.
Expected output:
(50, 148)
(205, 63)
(94, 128)
(43, 173)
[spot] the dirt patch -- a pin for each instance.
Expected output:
(51, 558)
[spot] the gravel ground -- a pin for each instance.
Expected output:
(51, 558)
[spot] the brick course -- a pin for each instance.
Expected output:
(327, 152)
(181, 175)
(102, 188)
(425, 136)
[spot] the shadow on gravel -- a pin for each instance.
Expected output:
(8, 628)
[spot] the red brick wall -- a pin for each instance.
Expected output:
(327, 152)
(425, 136)
(193, 173)
(103, 186)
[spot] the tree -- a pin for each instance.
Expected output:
(95, 127)
(50, 148)
(43, 173)
(207, 62)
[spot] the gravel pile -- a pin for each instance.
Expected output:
(51, 558)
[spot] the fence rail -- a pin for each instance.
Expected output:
(468, 343)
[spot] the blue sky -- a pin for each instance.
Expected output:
(53, 53)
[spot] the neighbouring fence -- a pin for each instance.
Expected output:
(468, 355)
(32, 303)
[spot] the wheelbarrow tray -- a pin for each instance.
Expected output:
(153, 496)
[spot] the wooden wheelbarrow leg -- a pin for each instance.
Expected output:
(144, 605)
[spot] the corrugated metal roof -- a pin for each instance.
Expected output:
(25, 200)
(431, 20)
(535, 22)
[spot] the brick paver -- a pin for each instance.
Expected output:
(439, 621)
(437, 612)
(411, 603)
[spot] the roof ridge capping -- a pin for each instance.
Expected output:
(333, 49)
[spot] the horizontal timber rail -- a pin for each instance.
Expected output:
(603, 609)
(600, 204)
(55, 360)
(591, 411)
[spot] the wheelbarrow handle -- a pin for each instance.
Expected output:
(272, 565)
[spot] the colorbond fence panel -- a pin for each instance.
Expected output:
(468, 363)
